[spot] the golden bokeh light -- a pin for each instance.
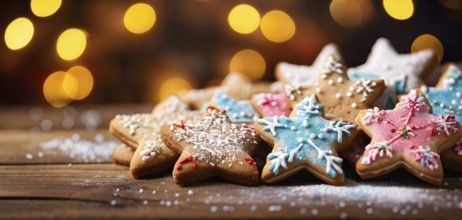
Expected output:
(53, 90)
(19, 33)
(172, 85)
(350, 13)
(428, 41)
(244, 19)
(248, 62)
(44, 8)
(399, 9)
(452, 4)
(71, 44)
(139, 18)
(277, 26)
(78, 82)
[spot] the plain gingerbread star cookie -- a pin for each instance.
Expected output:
(446, 99)
(401, 72)
(214, 146)
(234, 84)
(408, 136)
(305, 140)
(301, 75)
(141, 132)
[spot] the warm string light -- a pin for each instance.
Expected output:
(351, 13)
(277, 26)
(139, 18)
(172, 85)
(244, 19)
(428, 41)
(19, 33)
(61, 88)
(399, 9)
(248, 62)
(71, 44)
(44, 8)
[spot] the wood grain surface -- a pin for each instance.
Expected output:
(41, 182)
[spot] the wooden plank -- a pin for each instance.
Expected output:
(108, 191)
(71, 117)
(25, 147)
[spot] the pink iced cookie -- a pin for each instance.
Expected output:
(269, 105)
(408, 136)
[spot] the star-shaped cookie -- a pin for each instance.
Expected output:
(269, 105)
(239, 111)
(342, 98)
(305, 140)
(401, 72)
(301, 75)
(214, 146)
(446, 99)
(234, 84)
(141, 132)
(408, 136)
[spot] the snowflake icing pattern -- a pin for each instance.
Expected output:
(300, 140)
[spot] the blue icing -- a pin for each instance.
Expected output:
(361, 76)
(240, 112)
(401, 86)
(447, 100)
(303, 137)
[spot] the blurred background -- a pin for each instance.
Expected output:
(68, 52)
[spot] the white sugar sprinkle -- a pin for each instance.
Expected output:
(77, 148)
(29, 156)
(190, 192)
(113, 202)
(314, 212)
(213, 209)
(343, 215)
(145, 202)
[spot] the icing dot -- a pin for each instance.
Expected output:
(300, 140)
(442, 105)
(354, 105)
(458, 94)
(318, 90)
(312, 136)
(338, 96)
(305, 123)
(349, 94)
(293, 128)
(340, 80)
(454, 102)
(320, 136)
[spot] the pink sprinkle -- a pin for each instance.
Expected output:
(145, 158)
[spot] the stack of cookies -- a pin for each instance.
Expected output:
(379, 116)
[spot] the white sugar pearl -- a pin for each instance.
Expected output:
(320, 136)
(338, 96)
(349, 94)
(354, 105)
(340, 80)
(318, 90)
(331, 82)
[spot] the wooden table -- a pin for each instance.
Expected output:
(40, 179)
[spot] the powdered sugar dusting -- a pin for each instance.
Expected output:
(96, 150)
(216, 138)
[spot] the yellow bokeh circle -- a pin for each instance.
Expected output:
(248, 62)
(139, 18)
(19, 33)
(244, 19)
(277, 26)
(71, 44)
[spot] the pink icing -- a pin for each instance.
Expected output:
(407, 126)
(270, 105)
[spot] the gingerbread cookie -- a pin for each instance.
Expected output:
(401, 72)
(240, 112)
(269, 105)
(122, 155)
(342, 98)
(408, 136)
(305, 140)
(214, 146)
(301, 75)
(446, 99)
(152, 157)
(234, 84)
